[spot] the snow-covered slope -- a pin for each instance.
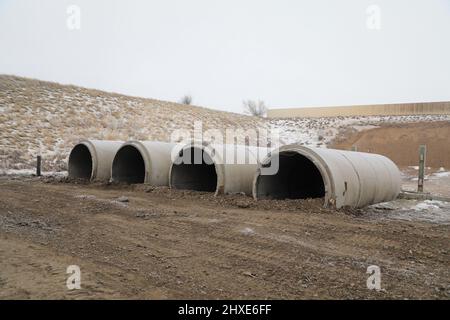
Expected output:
(39, 117)
(48, 118)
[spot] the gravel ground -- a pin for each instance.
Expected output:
(157, 243)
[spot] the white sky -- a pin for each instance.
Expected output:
(288, 53)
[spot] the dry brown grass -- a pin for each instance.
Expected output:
(49, 118)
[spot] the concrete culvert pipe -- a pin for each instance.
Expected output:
(342, 178)
(143, 162)
(222, 169)
(92, 159)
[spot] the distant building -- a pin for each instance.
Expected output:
(422, 108)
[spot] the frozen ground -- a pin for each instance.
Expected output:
(412, 210)
(436, 181)
(31, 172)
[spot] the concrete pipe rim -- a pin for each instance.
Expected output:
(314, 158)
(138, 147)
(93, 157)
(205, 147)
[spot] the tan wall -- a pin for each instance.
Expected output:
(364, 110)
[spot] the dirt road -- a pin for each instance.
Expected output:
(143, 242)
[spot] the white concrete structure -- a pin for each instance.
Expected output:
(92, 159)
(143, 162)
(342, 178)
(222, 169)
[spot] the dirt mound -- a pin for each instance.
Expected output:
(400, 142)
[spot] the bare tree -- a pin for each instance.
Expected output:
(186, 99)
(255, 108)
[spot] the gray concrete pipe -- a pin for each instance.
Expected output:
(143, 162)
(342, 178)
(222, 169)
(92, 159)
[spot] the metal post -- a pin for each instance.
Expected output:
(422, 158)
(38, 166)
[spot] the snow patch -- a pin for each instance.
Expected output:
(432, 211)
(428, 205)
(30, 172)
(441, 174)
(247, 231)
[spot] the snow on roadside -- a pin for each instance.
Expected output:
(432, 211)
(432, 176)
(441, 174)
(30, 172)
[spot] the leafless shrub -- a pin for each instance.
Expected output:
(186, 99)
(255, 108)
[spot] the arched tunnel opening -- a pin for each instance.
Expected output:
(297, 178)
(80, 162)
(196, 172)
(128, 166)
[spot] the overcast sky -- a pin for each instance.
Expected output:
(288, 53)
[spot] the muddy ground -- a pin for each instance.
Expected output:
(155, 243)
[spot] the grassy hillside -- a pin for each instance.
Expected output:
(48, 118)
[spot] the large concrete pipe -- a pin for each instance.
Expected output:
(143, 162)
(92, 159)
(342, 178)
(222, 169)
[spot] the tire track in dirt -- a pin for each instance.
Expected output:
(178, 245)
